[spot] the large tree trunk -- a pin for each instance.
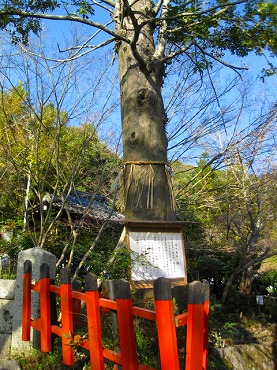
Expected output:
(247, 277)
(148, 193)
(227, 288)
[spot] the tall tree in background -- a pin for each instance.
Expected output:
(43, 157)
(234, 207)
(13, 117)
(147, 36)
(250, 204)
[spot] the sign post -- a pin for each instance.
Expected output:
(260, 301)
(157, 250)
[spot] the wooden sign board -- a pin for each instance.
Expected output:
(157, 250)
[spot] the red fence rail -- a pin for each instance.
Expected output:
(71, 296)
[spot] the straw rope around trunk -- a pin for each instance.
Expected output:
(147, 178)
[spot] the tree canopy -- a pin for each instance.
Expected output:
(148, 36)
(204, 31)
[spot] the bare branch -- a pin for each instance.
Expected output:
(73, 57)
(178, 52)
(221, 7)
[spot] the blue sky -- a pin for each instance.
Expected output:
(58, 31)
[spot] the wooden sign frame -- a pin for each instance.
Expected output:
(157, 250)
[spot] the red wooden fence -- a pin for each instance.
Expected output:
(196, 320)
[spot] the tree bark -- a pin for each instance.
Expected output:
(239, 270)
(227, 288)
(247, 277)
(148, 192)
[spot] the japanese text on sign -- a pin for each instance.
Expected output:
(156, 254)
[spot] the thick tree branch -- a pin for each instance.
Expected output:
(68, 17)
(162, 39)
(136, 33)
(108, 2)
(158, 7)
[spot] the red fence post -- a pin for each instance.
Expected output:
(110, 285)
(26, 309)
(53, 310)
(45, 313)
(166, 325)
(126, 330)
(76, 304)
(66, 313)
(195, 327)
(94, 323)
(206, 318)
